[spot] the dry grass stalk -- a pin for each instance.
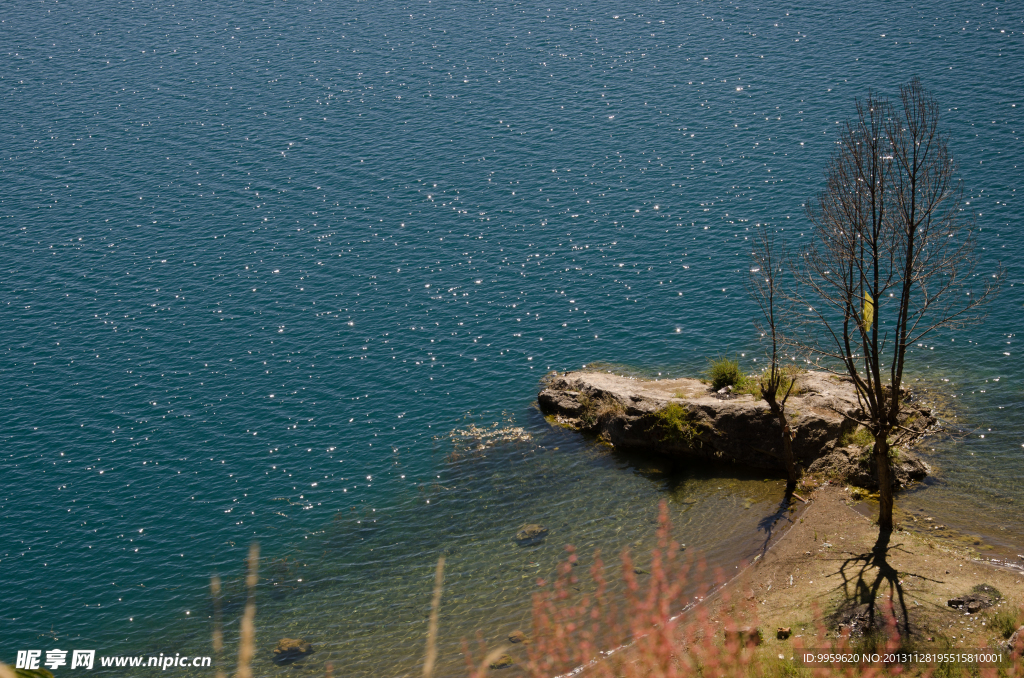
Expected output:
(218, 626)
(6, 671)
(247, 628)
(591, 631)
(435, 607)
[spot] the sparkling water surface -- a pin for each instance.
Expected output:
(260, 261)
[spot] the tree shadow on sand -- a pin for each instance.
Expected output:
(867, 577)
(770, 523)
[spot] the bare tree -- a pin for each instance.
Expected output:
(774, 384)
(891, 260)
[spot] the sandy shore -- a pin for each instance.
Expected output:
(812, 579)
(819, 567)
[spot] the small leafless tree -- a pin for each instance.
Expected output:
(774, 385)
(891, 260)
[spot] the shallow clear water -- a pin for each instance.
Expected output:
(260, 261)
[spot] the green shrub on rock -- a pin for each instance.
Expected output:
(724, 372)
(856, 436)
(676, 425)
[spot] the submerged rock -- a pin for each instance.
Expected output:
(504, 661)
(531, 534)
(685, 420)
(853, 465)
(517, 636)
(32, 673)
(291, 649)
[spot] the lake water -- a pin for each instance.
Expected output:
(260, 261)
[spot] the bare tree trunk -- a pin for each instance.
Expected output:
(786, 436)
(787, 451)
(891, 260)
(885, 484)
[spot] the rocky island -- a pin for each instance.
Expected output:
(688, 421)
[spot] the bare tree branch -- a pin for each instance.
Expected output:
(766, 272)
(891, 259)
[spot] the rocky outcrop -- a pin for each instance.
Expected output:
(979, 598)
(291, 649)
(851, 464)
(502, 662)
(1016, 641)
(970, 603)
(685, 419)
(531, 534)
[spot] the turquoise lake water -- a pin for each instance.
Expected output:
(260, 261)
